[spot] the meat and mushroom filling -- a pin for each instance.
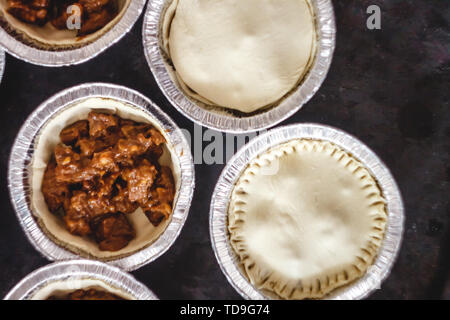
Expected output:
(92, 14)
(105, 168)
(90, 294)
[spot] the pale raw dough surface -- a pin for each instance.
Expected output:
(239, 54)
(52, 225)
(60, 288)
(305, 218)
(48, 35)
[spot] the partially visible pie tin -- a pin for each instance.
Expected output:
(67, 57)
(218, 218)
(22, 155)
(222, 121)
(78, 274)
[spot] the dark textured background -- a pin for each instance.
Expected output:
(388, 87)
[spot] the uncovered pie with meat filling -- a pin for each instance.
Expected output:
(108, 185)
(305, 218)
(89, 294)
(243, 55)
(52, 24)
(80, 289)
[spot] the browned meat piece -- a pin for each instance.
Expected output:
(71, 134)
(127, 149)
(54, 191)
(139, 180)
(103, 162)
(95, 21)
(100, 123)
(90, 294)
(162, 196)
(121, 201)
(105, 186)
(113, 232)
(31, 11)
(61, 17)
(69, 165)
(77, 214)
(88, 147)
(95, 5)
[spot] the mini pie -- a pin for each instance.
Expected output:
(305, 218)
(52, 225)
(43, 34)
(239, 54)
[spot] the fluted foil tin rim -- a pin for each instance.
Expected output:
(79, 269)
(2, 64)
(47, 58)
(218, 220)
(22, 153)
(326, 33)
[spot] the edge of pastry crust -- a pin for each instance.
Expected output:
(321, 286)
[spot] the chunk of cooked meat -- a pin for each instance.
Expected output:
(54, 192)
(71, 134)
(105, 168)
(61, 16)
(100, 123)
(96, 20)
(89, 294)
(162, 196)
(31, 11)
(77, 214)
(95, 5)
(113, 232)
(103, 162)
(140, 179)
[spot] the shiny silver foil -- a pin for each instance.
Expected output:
(326, 34)
(74, 56)
(218, 220)
(22, 153)
(79, 269)
(2, 64)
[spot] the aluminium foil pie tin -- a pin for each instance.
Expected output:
(47, 58)
(22, 154)
(326, 37)
(79, 270)
(218, 220)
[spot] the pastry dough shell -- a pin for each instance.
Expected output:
(305, 218)
(52, 225)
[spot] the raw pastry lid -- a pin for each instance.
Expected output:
(153, 34)
(390, 247)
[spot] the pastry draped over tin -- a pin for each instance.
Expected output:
(305, 218)
(239, 54)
